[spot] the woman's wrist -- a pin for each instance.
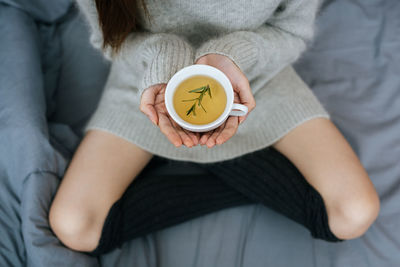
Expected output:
(165, 54)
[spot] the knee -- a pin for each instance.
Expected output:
(352, 219)
(74, 227)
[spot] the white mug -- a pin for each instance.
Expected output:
(231, 109)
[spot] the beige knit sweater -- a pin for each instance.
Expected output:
(263, 37)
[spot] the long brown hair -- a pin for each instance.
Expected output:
(117, 18)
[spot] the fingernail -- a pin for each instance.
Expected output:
(152, 120)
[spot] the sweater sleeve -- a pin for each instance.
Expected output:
(271, 47)
(158, 56)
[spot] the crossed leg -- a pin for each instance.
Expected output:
(104, 165)
(326, 160)
(100, 171)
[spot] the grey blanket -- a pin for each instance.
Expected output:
(51, 80)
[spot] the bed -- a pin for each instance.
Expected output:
(51, 80)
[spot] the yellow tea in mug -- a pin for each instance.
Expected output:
(199, 99)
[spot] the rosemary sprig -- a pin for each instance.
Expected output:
(192, 109)
(199, 90)
(202, 91)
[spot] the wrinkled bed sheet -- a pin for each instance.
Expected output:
(51, 80)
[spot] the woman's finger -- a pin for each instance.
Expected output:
(242, 118)
(204, 137)
(187, 140)
(212, 139)
(193, 136)
(236, 99)
(230, 129)
(246, 98)
(147, 103)
(169, 131)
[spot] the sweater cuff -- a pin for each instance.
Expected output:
(164, 55)
(242, 47)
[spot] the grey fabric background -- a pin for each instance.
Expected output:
(51, 80)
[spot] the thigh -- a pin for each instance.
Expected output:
(326, 160)
(100, 171)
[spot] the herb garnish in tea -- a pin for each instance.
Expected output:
(199, 100)
(202, 91)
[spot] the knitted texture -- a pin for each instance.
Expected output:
(262, 37)
(268, 177)
(154, 202)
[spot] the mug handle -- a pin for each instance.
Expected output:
(238, 110)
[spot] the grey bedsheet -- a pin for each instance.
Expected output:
(51, 80)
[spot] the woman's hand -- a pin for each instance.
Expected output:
(152, 104)
(242, 92)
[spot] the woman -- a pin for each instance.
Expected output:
(253, 43)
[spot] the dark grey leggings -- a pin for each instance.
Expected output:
(169, 192)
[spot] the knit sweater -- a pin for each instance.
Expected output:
(262, 37)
